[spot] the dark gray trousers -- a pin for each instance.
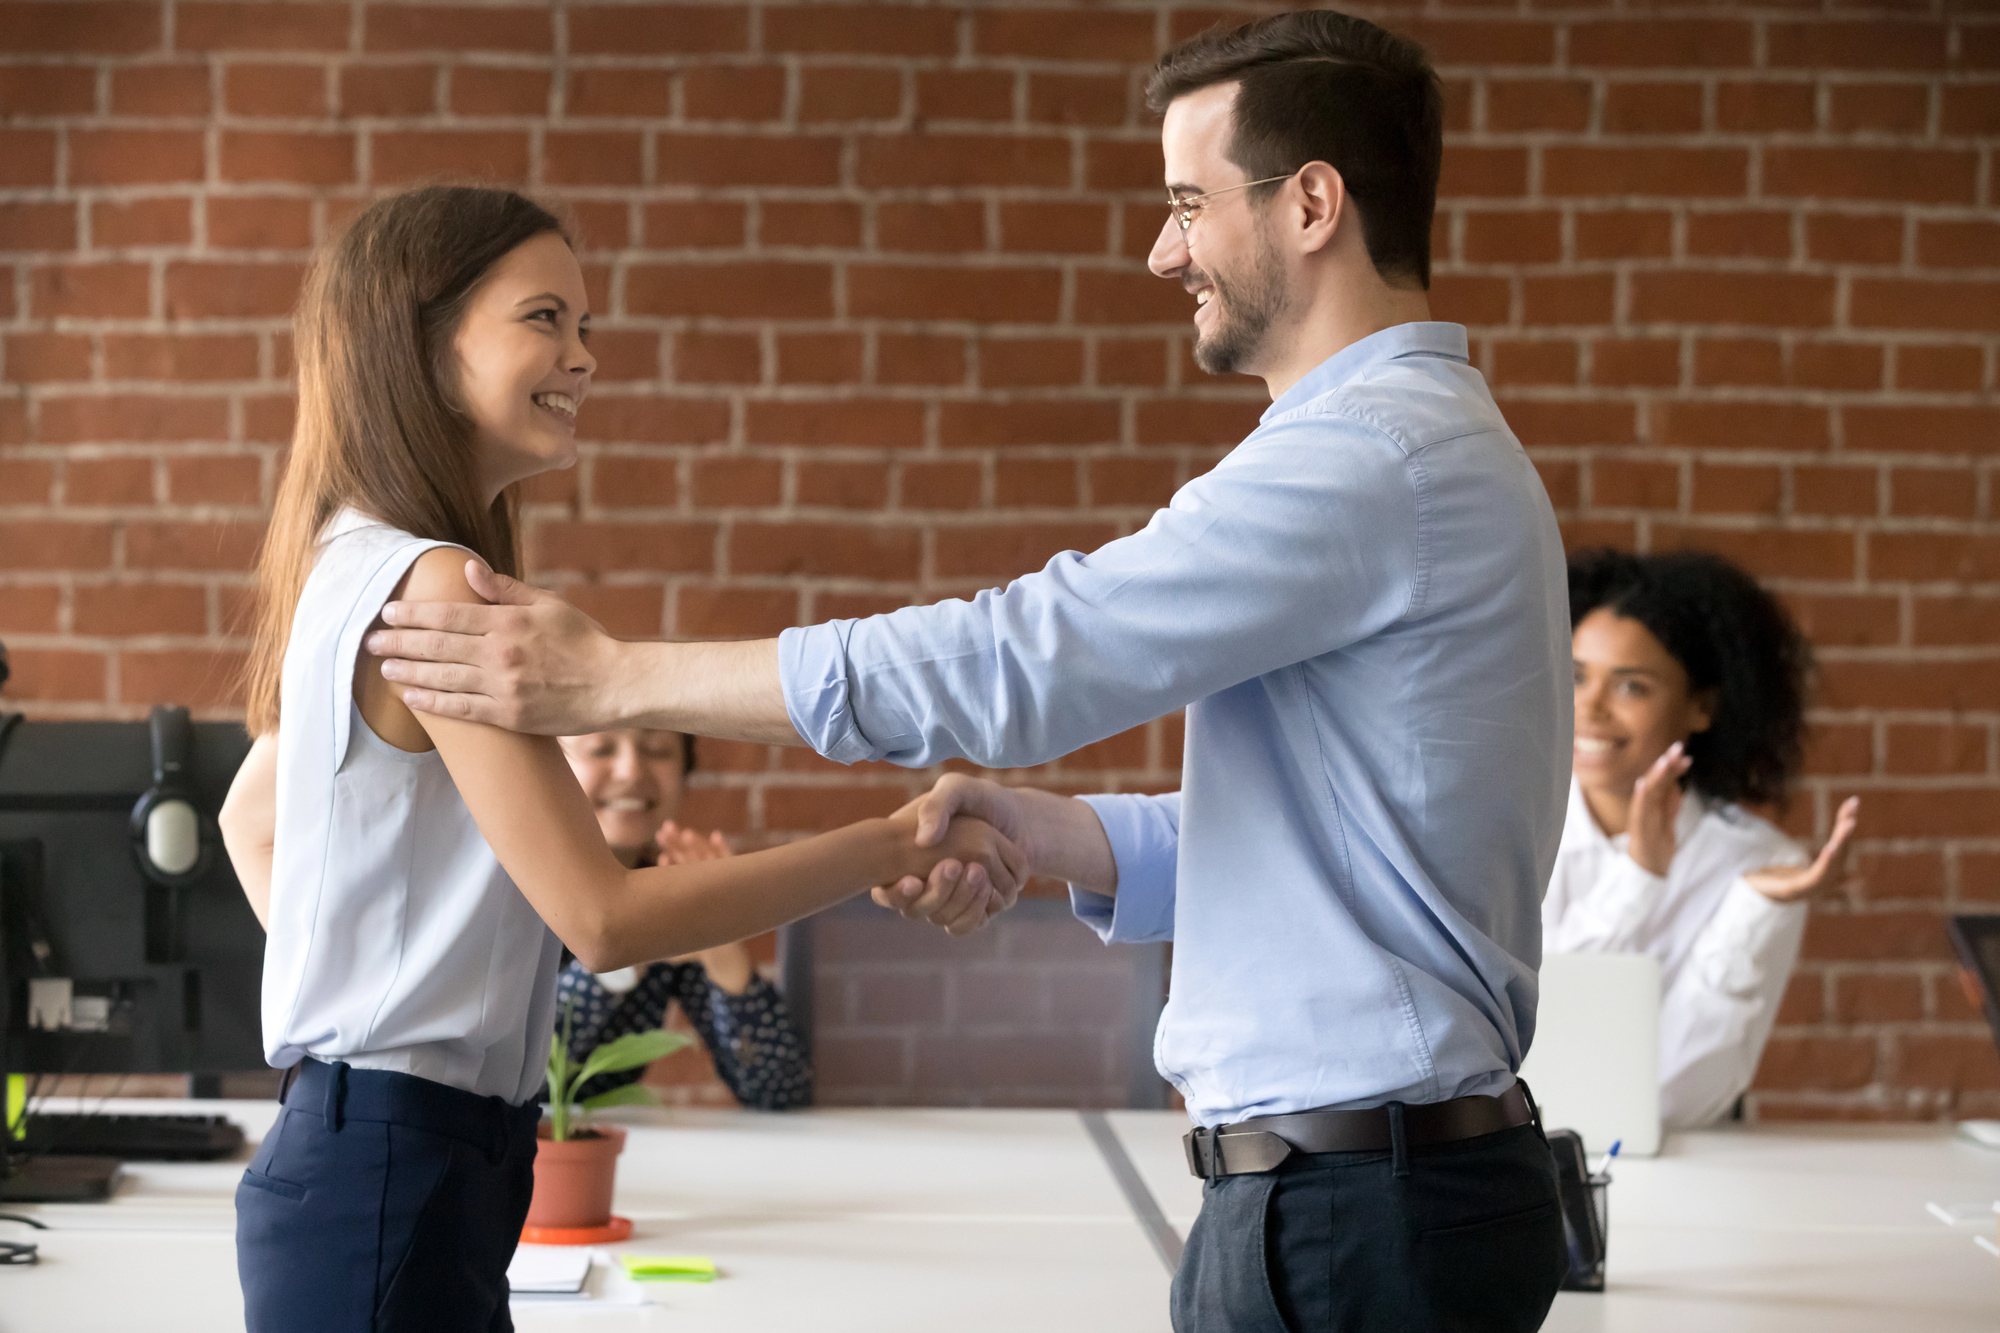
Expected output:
(1459, 1236)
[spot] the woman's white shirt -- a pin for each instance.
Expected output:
(396, 939)
(1725, 950)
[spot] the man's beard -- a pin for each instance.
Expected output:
(1248, 307)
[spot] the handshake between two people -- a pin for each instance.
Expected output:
(972, 845)
(994, 839)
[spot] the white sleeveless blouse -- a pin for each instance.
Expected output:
(396, 941)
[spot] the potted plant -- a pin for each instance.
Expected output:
(576, 1163)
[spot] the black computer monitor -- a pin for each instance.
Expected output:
(163, 958)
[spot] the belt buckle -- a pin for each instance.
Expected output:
(1202, 1165)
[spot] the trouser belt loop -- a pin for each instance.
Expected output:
(1534, 1110)
(291, 1076)
(1201, 1161)
(336, 1097)
(1399, 1143)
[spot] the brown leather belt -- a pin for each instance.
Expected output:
(1264, 1142)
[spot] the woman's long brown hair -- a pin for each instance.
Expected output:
(377, 428)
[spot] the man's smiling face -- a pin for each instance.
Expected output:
(1226, 258)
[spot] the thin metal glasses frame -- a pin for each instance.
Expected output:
(1184, 209)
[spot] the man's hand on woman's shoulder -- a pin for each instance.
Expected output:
(528, 661)
(531, 662)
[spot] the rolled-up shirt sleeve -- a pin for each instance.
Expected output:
(1271, 558)
(1145, 836)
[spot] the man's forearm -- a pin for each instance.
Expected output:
(1068, 841)
(731, 691)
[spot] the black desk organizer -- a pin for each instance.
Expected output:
(1585, 1209)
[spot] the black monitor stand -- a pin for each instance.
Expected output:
(30, 1179)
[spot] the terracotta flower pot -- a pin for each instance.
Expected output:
(573, 1179)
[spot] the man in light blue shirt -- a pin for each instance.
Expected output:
(1363, 609)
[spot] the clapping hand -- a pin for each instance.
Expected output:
(683, 846)
(1790, 884)
(1656, 805)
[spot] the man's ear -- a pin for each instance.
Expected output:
(1323, 206)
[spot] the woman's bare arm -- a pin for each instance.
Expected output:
(249, 820)
(527, 802)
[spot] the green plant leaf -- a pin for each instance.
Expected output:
(630, 1052)
(631, 1094)
(561, 1089)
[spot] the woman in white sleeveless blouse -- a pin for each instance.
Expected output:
(419, 877)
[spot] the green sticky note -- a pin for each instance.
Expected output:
(667, 1267)
(17, 1104)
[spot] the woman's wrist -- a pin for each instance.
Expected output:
(868, 852)
(1650, 857)
(898, 850)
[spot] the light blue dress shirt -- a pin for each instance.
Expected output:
(1365, 611)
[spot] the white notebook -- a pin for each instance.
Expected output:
(549, 1272)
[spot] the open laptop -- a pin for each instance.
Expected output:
(1594, 1066)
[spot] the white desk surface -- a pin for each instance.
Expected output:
(829, 1220)
(1820, 1229)
(969, 1220)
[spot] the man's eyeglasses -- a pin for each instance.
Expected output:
(1184, 207)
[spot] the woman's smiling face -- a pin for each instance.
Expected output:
(1632, 702)
(523, 364)
(634, 779)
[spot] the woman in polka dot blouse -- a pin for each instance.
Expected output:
(634, 779)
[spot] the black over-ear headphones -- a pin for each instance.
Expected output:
(171, 840)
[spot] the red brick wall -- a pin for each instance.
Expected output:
(875, 328)
(1031, 1011)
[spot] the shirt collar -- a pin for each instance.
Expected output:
(1428, 338)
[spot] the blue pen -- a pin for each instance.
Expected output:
(1604, 1162)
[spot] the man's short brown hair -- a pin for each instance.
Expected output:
(1318, 86)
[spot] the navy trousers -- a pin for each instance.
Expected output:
(1458, 1236)
(383, 1203)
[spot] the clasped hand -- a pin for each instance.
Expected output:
(967, 862)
